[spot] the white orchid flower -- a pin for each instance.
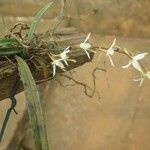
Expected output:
(64, 56)
(59, 64)
(134, 62)
(86, 46)
(141, 80)
(111, 51)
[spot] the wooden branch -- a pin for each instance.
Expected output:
(9, 72)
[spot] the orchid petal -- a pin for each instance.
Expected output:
(63, 54)
(87, 38)
(141, 81)
(65, 62)
(113, 44)
(67, 48)
(60, 64)
(111, 61)
(87, 53)
(54, 70)
(137, 66)
(140, 56)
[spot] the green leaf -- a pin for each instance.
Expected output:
(4, 42)
(36, 20)
(10, 51)
(33, 105)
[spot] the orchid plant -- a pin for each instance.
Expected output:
(61, 61)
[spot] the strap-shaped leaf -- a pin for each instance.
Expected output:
(36, 20)
(10, 51)
(7, 41)
(33, 105)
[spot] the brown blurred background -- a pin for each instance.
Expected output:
(121, 119)
(115, 17)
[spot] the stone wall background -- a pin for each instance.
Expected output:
(115, 17)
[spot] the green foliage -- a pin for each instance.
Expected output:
(12, 46)
(36, 20)
(9, 51)
(5, 42)
(34, 106)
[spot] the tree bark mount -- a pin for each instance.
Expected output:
(8, 71)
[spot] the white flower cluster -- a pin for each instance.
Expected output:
(64, 58)
(133, 62)
(58, 62)
(86, 46)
